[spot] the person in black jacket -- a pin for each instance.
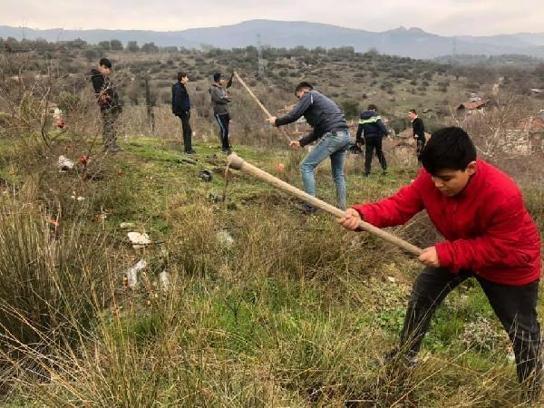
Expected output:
(108, 101)
(329, 129)
(418, 129)
(181, 107)
(370, 132)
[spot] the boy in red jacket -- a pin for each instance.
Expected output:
(488, 233)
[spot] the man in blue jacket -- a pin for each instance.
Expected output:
(181, 107)
(370, 132)
(329, 129)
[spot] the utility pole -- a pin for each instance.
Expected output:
(149, 103)
(260, 60)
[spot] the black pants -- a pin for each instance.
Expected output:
(223, 120)
(187, 131)
(109, 132)
(371, 144)
(420, 144)
(515, 306)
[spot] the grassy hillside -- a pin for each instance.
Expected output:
(243, 300)
(352, 79)
(264, 306)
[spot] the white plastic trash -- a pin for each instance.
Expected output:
(132, 273)
(164, 280)
(138, 240)
(224, 239)
(65, 164)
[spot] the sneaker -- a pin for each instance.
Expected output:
(307, 209)
(190, 151)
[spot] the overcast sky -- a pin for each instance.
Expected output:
(447, 17)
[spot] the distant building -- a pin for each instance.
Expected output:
(472, 106)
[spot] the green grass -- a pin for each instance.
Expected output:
(296, 312)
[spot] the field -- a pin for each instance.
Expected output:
(260, 305)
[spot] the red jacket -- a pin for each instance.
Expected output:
(487, 227)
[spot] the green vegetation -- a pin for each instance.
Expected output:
(263, 306)
(293, 312)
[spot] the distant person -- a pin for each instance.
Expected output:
(418, 129)
(220, 101)
(181, 107)
(489, 236)
(330, 130)
(370, 132)
(108, 101)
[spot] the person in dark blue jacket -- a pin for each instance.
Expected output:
(370, 132)
(181, 107)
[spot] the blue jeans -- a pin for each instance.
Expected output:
(333, 145)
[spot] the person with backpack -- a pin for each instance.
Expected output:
(370, 132)
(109, 102)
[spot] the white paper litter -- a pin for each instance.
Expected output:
(138, 240)
(132, 273)
(224, 239)
(65, 164)
(164, 280)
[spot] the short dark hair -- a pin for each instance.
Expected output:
(449, 148)
(104, 62)
(181, 75)
(372, 107)
(217, 76)
(304, 85)
(413, 111)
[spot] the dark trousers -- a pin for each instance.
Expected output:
(420, 144)
(371, 144)
(187, 131)
(515, 306)
(223, 120)
(109, 132)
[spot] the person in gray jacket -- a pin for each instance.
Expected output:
(329, 128)
(220, 101)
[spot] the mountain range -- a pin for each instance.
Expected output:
(408, 42)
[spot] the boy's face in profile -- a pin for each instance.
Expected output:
(104, 70)
(451, 182)
(301, 92)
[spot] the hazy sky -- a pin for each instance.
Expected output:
(448, 17)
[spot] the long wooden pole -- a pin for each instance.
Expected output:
(266, 111)
(236, 162)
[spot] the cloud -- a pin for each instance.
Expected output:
(448, 17)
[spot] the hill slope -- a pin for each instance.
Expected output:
(412, 42)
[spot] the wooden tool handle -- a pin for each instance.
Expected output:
(248, 89)
(266, 111)
(236, 162)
